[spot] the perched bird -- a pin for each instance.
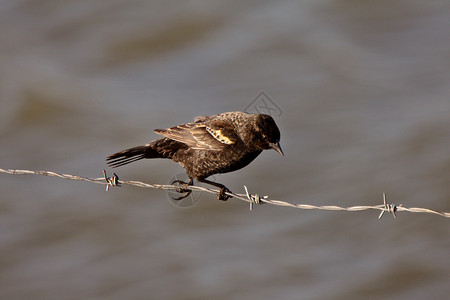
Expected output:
(211, 144)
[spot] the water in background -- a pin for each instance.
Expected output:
(359, 89)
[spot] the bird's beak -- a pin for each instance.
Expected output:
(276, 147)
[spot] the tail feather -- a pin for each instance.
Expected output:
(118, 162)
(162, 148)
(131, 155)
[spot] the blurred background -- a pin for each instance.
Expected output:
(359, 89)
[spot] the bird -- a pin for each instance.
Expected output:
(210, 145)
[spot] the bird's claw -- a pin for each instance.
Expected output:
(222, 194)
(180, 190)
(183, 196)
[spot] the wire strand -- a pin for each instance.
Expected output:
(252, 199)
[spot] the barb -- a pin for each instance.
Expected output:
(114, 181)
(251, 199)
(389, 208)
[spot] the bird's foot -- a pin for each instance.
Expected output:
(182, 190)
(222, 194)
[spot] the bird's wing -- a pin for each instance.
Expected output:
(211, 135)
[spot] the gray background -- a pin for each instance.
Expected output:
(364, 91)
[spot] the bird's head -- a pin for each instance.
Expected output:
(267, 133)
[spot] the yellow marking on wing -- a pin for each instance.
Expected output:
(218, 135)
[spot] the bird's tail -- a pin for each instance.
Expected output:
(133, 154)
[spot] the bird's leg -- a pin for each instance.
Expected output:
(223, 189)
(184, 190)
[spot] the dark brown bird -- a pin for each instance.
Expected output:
(211, 144)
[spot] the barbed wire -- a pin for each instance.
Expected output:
(250, 198)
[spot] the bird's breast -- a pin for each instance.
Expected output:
(204, 163)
